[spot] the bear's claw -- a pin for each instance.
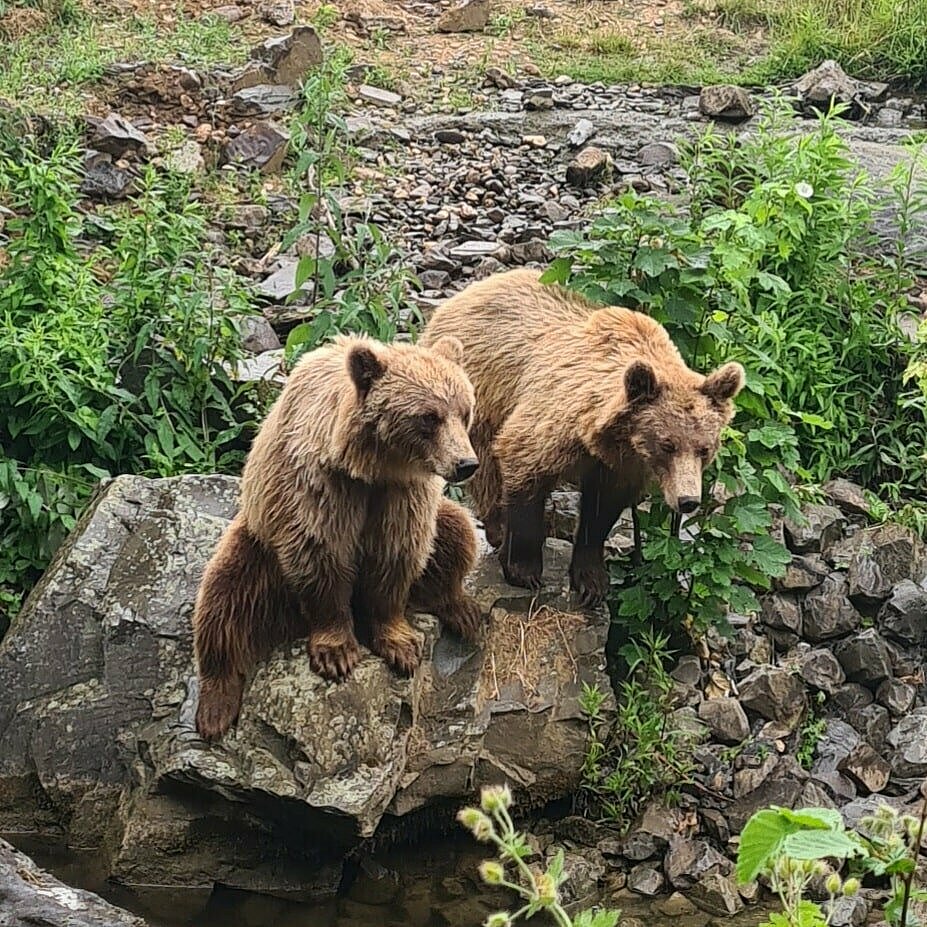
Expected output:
(334, 660)
(591, 584)
(218, 706)
(523, 575)
(400, 645)
(464, 617)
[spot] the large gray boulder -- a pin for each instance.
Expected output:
(98, 692)
(29, 897)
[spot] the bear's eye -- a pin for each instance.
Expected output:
(667, 447)
(428, 422)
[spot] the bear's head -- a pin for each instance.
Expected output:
(415, 406)
(673, 428)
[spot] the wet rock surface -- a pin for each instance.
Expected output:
(98, 695)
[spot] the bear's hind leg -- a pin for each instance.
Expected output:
(241, 613)
(439, 590)
(522, 551)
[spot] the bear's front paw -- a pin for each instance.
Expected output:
(399, 644)
(590, 582)
(333, 657)
(525, 574)
(218, 707)
(464, 617)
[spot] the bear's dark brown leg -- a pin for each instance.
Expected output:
(522, 551)
(439, 590)
(326, 605)
(602, 502)
(242, 611)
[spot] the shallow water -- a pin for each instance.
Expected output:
(437, 888)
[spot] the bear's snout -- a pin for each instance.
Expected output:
(688, 504)
(465, 469)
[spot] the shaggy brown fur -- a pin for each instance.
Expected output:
(343, 521)
(567, 388)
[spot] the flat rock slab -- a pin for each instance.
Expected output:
(29, 896)
(98, 693)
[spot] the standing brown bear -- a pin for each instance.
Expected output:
(566, 388)
(343, 520)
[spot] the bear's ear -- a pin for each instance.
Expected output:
(450, 347)
(364, 367)
(724, 384)
(640, 383)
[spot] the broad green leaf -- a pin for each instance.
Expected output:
(819, 818)
(760, 840)
(821, 844)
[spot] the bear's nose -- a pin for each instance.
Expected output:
(465, 469)
(688, 504)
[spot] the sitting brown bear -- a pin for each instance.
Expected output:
(566, 388)
(343, 521)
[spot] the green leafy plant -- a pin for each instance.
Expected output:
(641, 753)
(810, 733)
(539, 890)
(357, 279)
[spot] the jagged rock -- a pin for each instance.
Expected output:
(866, 768)
(803, 573)
(846, 911)
(823, 525)
(751, 776)
(646, 879)
(98, 691)
(561, 514)
(658, 154)
(116, 136)
(30, 897)
(909, 738)
(865, 658)
(103, 180)
(716, 894)
(262, 146)
(186, 159)
(873, 724)
(883, 557)
(838, 741)
(588, 166)
(850, 698)
(689, 861)
(783, 791)
(676, 905)
(782, 613)
(539, 99)
(450, 137)
(290, 57)
(578, 830)
(469, 16)
(725, 101)
(268, 366)
(230, 13)
(250, 217)
(262, 100)
(639, 846)
(821, 669)
(688, 670)
(726, 719)
(378, 96)
(581, 874)
(828, 611)
(897, 696)
(848, 496)
(277, 12)
(828, 83)
(903, 617)
(282, 282)
(774, 693)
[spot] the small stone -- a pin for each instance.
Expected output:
(866, 768)
(292, 56)
(375, 884)
(688, 670)
(658, 154)
(873, 724)
(725, 101)
(782, 612)
(821, 670)
(822, 526)
(469, 16)
(588, 166)
(645, 879)
(688, 862)
(676, 905)
(826, 84)
(262, 100)
(187, 159)
(848, 496)
(257, 335)
(378, 96)
(882, 558)
(804, 572)
(639, 845)
(847, 911)
(850, 697)
(580, 133)
(865, 658)
(281, 283)
(247, 216)
(115, 136)
(535, 141)
(717, 894)
(230, 13)
(540, 99)
(750, 777)
(450, 137)
(277, 12)
(897, 696)
(726, 719)
(262, 146)
(774, 693)
(837, 742)
(102, 180)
